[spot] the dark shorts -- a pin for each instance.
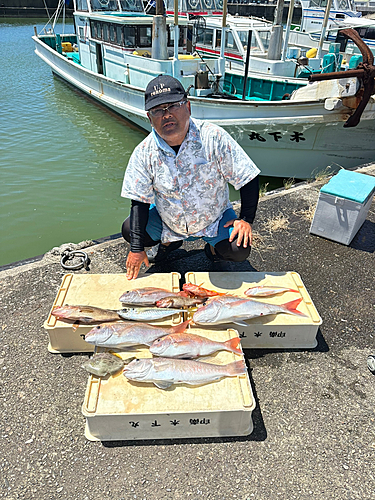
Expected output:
(154, 227)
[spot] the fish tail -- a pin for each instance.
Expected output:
(291, 307)
(233, 345)
(236, 368)
(292, 290)
(181, 327)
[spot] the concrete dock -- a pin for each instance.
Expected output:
(314, 422)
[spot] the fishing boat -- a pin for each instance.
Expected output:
(289, 129)
(341, 14)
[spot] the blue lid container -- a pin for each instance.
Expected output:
(350, 185)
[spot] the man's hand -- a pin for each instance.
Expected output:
(242, 230)
(134, 262)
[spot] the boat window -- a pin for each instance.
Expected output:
(131, 5)
(81, 32)
(370, 33)
(343, 4)
(145, 36)
(230, 42)
(205, 37)
(129, 36)
(105, 32)
(102, 5)
(218, 38)
(96, 29)
(318, 3)
(244, 38)
(112, 36)
(265, 38)
(119, 37)
(82, 5)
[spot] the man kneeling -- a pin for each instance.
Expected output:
(177, 179)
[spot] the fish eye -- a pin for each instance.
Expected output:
(97, 327)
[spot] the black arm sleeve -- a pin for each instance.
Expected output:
(249, 200)
(138, 223)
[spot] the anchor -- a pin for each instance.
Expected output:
(365, 71)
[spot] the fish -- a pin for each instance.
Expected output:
(119, 335)
(145, 296)
(105, 363)
(180, 301)
(87, 315)
(144, 314)
(218, 311)
(188, 345)
(164, 372)
(267, 291)
(199, 291)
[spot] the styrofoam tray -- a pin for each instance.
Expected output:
(268, 332)
(100, 290)
(118, 409)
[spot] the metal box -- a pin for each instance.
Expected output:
(100, 290)
(342, 206)
(268, 332)
(117, 409)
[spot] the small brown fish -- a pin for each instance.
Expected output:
(180, 301)
(105, 363)
(87, 315)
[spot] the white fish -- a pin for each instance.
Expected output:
(164, 372)
(145, 314)
(220, 310)
(267, 291)
(189, 345)
(118, 335)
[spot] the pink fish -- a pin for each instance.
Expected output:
(219, 310)
(147, 296)
(188, 345)
(164, 372)
(118, 335)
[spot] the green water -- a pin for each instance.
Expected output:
(62, 157)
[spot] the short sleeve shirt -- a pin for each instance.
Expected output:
(189, 189)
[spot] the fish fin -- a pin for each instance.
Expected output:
(239, 322)
(163, 384)
(291, 307)
(181, 327)
(75, 326)
(237, 368)
(234, 345)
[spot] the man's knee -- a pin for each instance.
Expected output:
(227, 250)
(125, 229)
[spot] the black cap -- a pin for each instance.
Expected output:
(162, 90)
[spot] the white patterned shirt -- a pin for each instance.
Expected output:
(190, 189)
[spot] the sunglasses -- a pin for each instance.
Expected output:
(172, 108)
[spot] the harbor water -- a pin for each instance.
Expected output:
(62, 156)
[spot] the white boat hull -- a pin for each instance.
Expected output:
(284, 138)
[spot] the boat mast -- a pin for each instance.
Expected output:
(274, 49)
(223, 36)
(287, 29)
(324, 28)
(159, 33)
